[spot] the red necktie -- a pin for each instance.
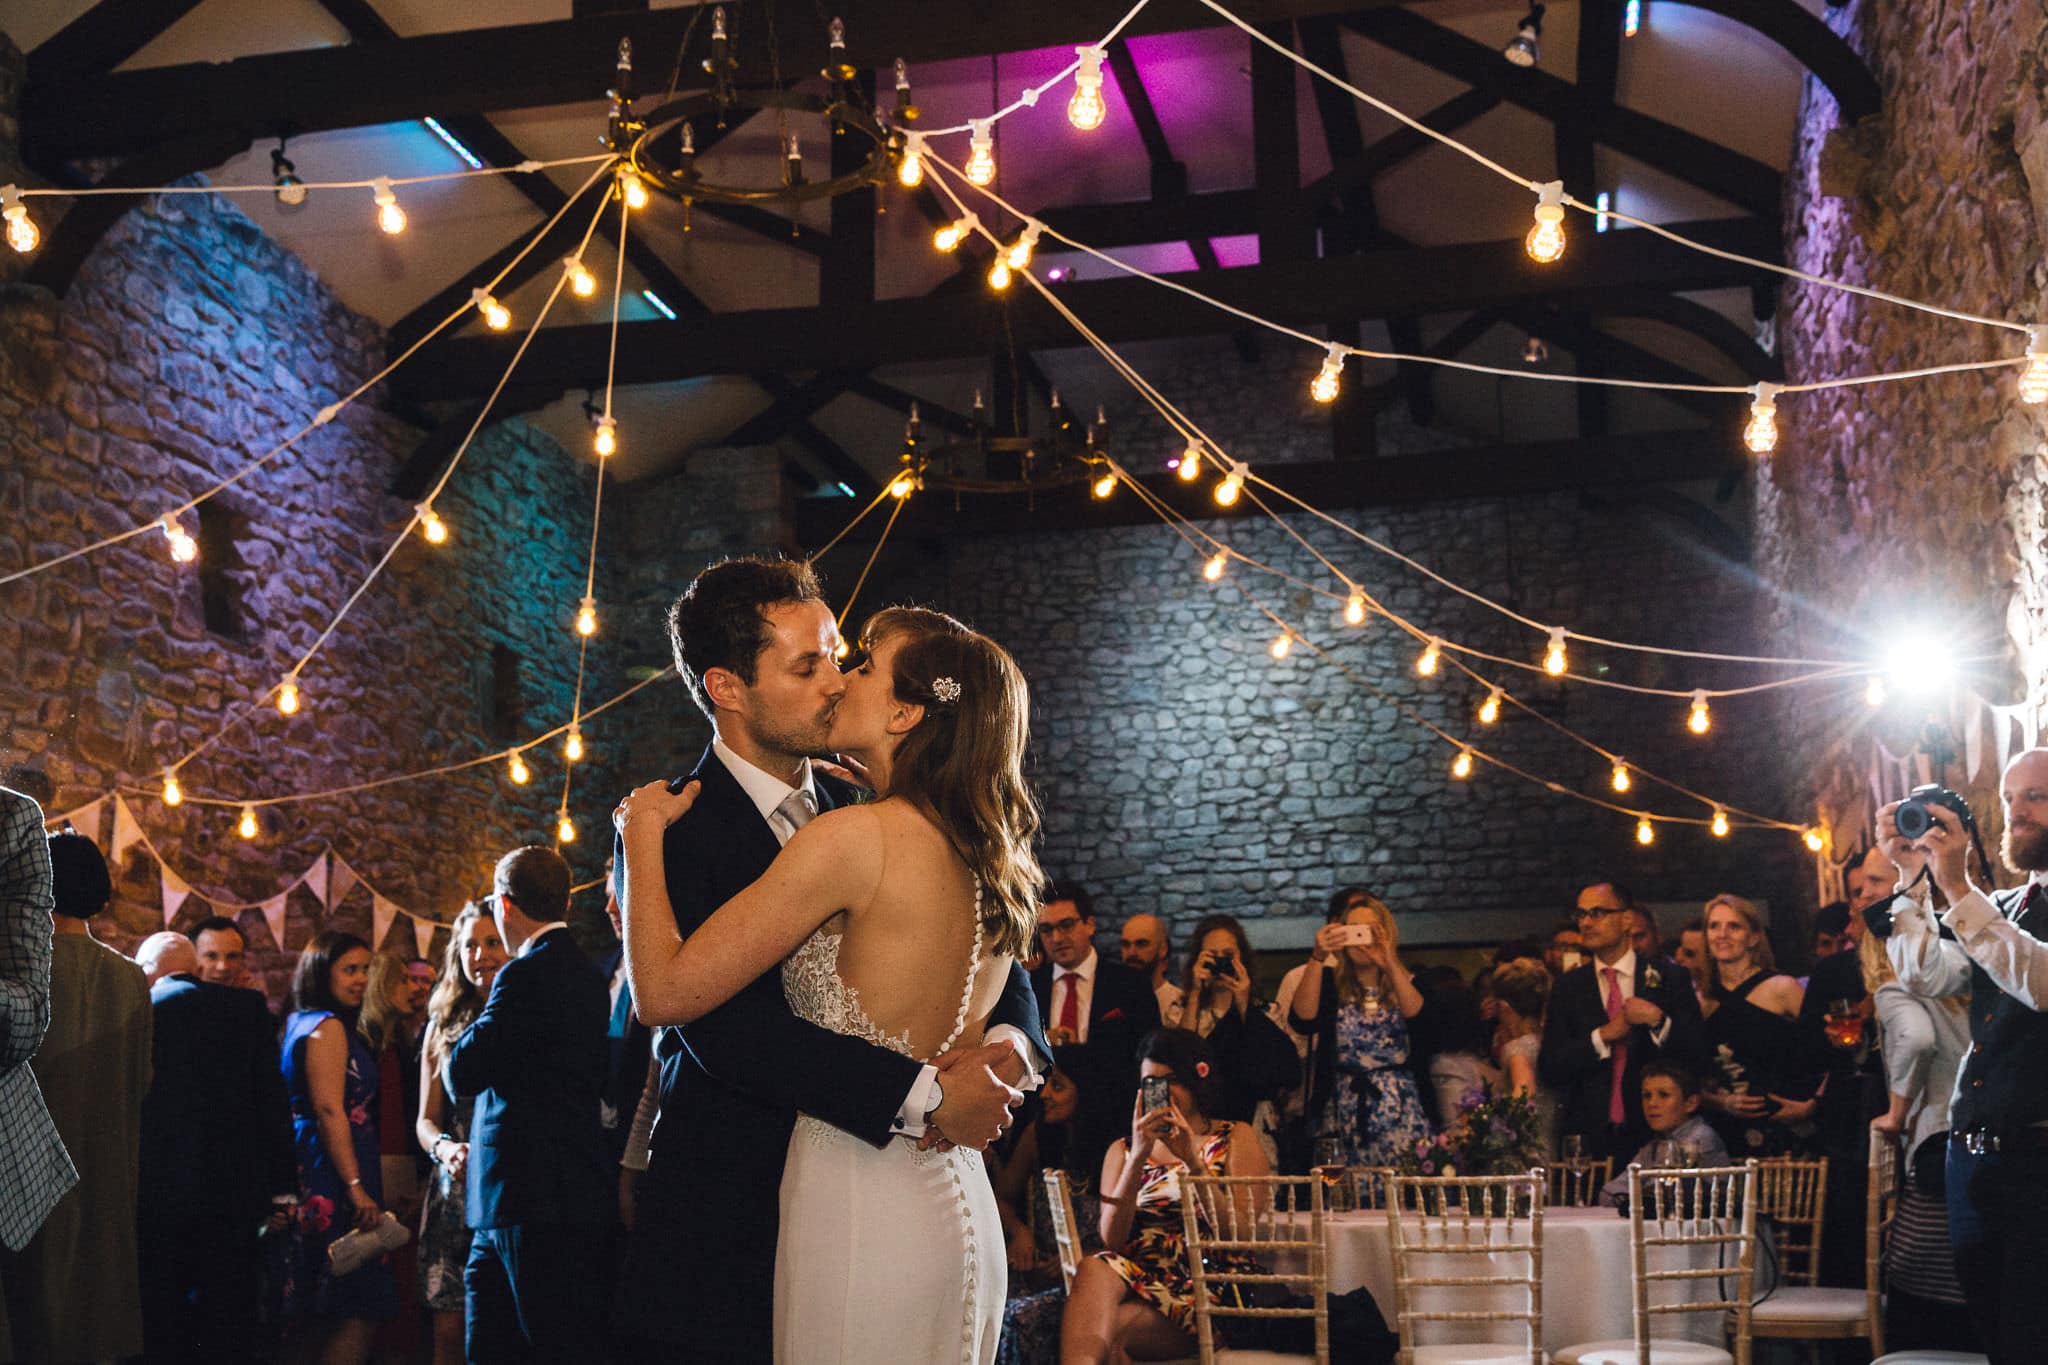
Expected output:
(1070, 1006)
(1617, 1111)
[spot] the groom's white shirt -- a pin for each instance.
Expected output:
(768, 792)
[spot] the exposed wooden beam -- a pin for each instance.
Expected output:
(1691, 316)
(1351, 173)
(72, 238)
(526, 66)
(103, 37)
(847, 273)
(1223, 213)
(1287, 230)
(1818, 48)
(841, 466)
(1441, 476)
(950, 326)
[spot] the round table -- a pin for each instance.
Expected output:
(1586, 1295)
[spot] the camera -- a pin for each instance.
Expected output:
(1914, 817)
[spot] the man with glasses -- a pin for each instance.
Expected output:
(1607, 1019)
(1095, 1012)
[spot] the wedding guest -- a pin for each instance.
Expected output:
(217, 1166)
(1141, 1214)
(1357, 1002)
(1831, 931)
(475, 953)
(1925, 1040)
(1461, 1070)
(629, 1049)
(540, 1174)
(387, 1010)
(223, 953)
(1567, 948)
(1521, 991)
(1678, 1135)
(1258, 1059)
(1643, 933)
(166, 953)
(1144, 947)
(74, 1292)
(331, 1076)
(1606, 1020)
(1762, 1098)
(1095, 1013)
(1848, 1075)
(1016, 1164)
(422, 974)
(1691, 952)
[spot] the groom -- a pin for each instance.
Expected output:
(755, 642)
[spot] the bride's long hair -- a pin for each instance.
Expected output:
(964, 762)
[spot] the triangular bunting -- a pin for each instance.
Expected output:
(273, 915)
(127, 834)
(423, 934)
(382, 912)
(175, 891)
(86, 819)
(341, 879)
(315, 880)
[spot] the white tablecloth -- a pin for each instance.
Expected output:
(1585, 1279)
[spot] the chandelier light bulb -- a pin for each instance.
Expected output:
(1646, 833)
(954, 233)
(902, 486)
(1761, 435)
(999, 275)
(184, 549)
(1546, 239)
(431, 525)
(1230, 485)
(1720, 824)
(632, 189)
(1489, 710)
(581, 282)
(565, 829)
(521, 774)
(2033, 379)
(1217, 563)
(1105, 485)
(1085, 110)
(1426, 662)
(496, 316)
(1814, 840)
(1621, 777)
(1027, 242)
(1190, 466)
(1324, 387)
(291, 191)
(1553, 656)
(1354, 608)
(21, 229)
(1282, 646)
(288, 697)
(910, 170)
(981, 152)
(586, 617)
(246, 827)
(606, 440)
(1461, 766)
(173, 793)
(1697, 720)
(572, 749)
(390, 217)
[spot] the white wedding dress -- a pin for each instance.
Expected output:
(886, 1255)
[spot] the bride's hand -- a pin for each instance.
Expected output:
(847, 770)
(653, 808)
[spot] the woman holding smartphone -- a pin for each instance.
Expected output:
(1356, 1002)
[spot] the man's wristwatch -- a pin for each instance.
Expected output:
(938, 1098)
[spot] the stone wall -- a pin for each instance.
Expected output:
(1921, 503)
(190, 344)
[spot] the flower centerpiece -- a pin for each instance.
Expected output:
(1494, 1135)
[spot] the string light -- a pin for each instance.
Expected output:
(1813, 839)
(1105, 485)
(288, 696)
(1218, 562)
(496, 316)
(955, 232)
(521, 774)
(572, 748)
(1620, 778)
(841, 650)
(1461, 766)
(431, 525)
(999, 275)
(2033, 379)
(981, 152)
(565, 828)
(184, 549)
(581, 282)
(903, 485)
(606, 441)
(1432, 655)
(1553, 656)
(1324, 387)
(632, 188)
(1646, 833)
(1873, 691)
(1085, 109)
(1190, 467)
(390, 217)
(21, 229)
(586, 617)
(1019, 255)
(247, 826)
(1698, 721)
(910, 170)
(1545, 242)
(1230, 485)
(1720, 824)
(1282, 646)
(1489, 710)
(1761, 435)
(173, 793)
(1354, 608)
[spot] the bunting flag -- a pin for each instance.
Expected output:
(85, 820)
(423, 934)
(127, 834)
(382, 912)
(341, 879)
(315, 881)
(175, 890)
(273, 915)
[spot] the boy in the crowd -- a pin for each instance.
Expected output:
(1671, 1101)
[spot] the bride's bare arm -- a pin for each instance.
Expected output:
(832, 864)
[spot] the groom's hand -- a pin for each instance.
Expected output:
(978, 1100)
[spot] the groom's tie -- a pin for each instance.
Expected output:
(796, 811)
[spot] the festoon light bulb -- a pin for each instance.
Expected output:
(1282, 646)
(1620, 778)
(1554, 660)
(903, 485)
(981, 152)
(1324, 387)
(246, 827)
(21, 229)
(1213, 568)
(1085, 109)
(1354, 608)
(581, 282)
(521, 774)
(173, 793)
(1489, 710)
(184, 549)
(1814, 839)
(955, 232)
(1720, 824)
(572, 748)
(586, 616)
(1545, 242)
(1698, 720)
(999, 274)
(390, 217)
(497, 316)
(431, 525)
(565, 828)
(288, 695)
(605, 440)
(1646, 833)
(1019, 254)
(910, 167)
(1461, 766)
(1190, 466)
(1761, 435)
(632, 188)
(2033, 379)
(1230, 485)
(1427, 661)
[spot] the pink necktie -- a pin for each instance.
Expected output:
(1617, 1112)
(1070, 1006)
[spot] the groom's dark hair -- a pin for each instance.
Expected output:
(721, 621)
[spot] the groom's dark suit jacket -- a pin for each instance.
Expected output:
(701, 1267)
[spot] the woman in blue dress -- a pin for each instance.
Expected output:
(1355, 1002)
(331, 1075)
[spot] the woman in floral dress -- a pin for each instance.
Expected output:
(1138, 1300)
(331, 1076)
(1356, 1002)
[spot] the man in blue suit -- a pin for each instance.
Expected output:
(540, 1170)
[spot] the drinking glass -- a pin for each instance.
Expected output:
(1573, 1147)
(1843, 1023)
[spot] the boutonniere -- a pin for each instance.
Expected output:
(1650, 979)
(1112, 1016)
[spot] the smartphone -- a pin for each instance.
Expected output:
(1354, 936)
(1153, 1094)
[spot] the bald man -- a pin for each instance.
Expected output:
(1998, 1119)
(1145, 949)
(165, 954)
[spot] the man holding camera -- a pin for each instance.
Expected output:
(1998, 1136)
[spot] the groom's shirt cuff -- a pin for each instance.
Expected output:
(910, 1118)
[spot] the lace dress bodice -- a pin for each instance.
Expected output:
(816, 992)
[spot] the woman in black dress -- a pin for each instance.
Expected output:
(1761, 1089)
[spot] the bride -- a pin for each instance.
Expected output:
(895, 921)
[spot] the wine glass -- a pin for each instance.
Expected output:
(1843, 1023)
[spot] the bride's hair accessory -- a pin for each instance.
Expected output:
(946, 689)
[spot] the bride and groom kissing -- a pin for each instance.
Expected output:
(833, 970)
